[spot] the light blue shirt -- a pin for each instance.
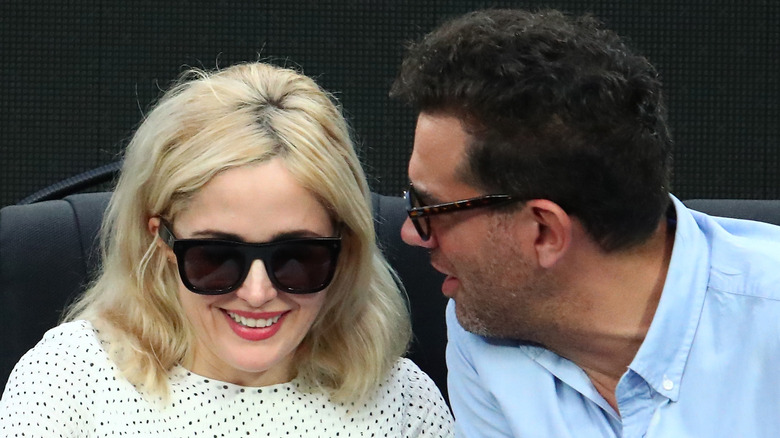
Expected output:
(709, 366)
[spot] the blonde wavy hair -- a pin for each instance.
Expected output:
(209, 122)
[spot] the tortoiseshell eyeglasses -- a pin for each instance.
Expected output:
(419, 214)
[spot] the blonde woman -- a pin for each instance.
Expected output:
(241, 291)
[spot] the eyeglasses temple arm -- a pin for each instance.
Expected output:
(165, 233)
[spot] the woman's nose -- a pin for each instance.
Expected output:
(257, 288)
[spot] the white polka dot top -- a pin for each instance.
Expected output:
(66, 386)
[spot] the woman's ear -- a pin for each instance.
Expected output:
(153, 225)
(555, 231)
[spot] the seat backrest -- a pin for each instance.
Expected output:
(48, 250)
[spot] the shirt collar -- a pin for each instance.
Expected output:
(661, 358)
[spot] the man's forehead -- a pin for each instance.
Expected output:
(438, 156)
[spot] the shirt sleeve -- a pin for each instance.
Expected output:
(42, 395)
(426, 412)
(477, 413)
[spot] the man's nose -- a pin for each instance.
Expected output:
(410, 235)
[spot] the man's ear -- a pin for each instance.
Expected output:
(555, 231)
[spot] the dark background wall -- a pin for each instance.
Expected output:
(78, 75)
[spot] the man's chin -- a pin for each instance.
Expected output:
(469, 322)
(480, 327)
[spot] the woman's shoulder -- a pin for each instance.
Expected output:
(406, 374)
(55, 380)
(415, 394)
(405, 402)
(77, 338)
(407, 379)
(68, 334)
(63, 351)
(77, 331)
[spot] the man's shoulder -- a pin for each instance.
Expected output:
(741, 256)
(745, 259)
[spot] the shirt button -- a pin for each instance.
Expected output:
(668, 384)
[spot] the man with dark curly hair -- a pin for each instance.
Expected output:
(586, 300)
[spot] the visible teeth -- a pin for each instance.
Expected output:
(251, 322)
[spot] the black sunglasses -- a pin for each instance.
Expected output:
(215, 267)
(419, 213)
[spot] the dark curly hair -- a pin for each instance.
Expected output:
(558, 108)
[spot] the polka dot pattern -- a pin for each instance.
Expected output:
(66, 386)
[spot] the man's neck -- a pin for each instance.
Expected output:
(617, 295)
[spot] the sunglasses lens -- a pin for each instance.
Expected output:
(295, 267)
(302, 267)
(213, 268)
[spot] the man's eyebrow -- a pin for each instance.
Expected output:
(426, 197)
